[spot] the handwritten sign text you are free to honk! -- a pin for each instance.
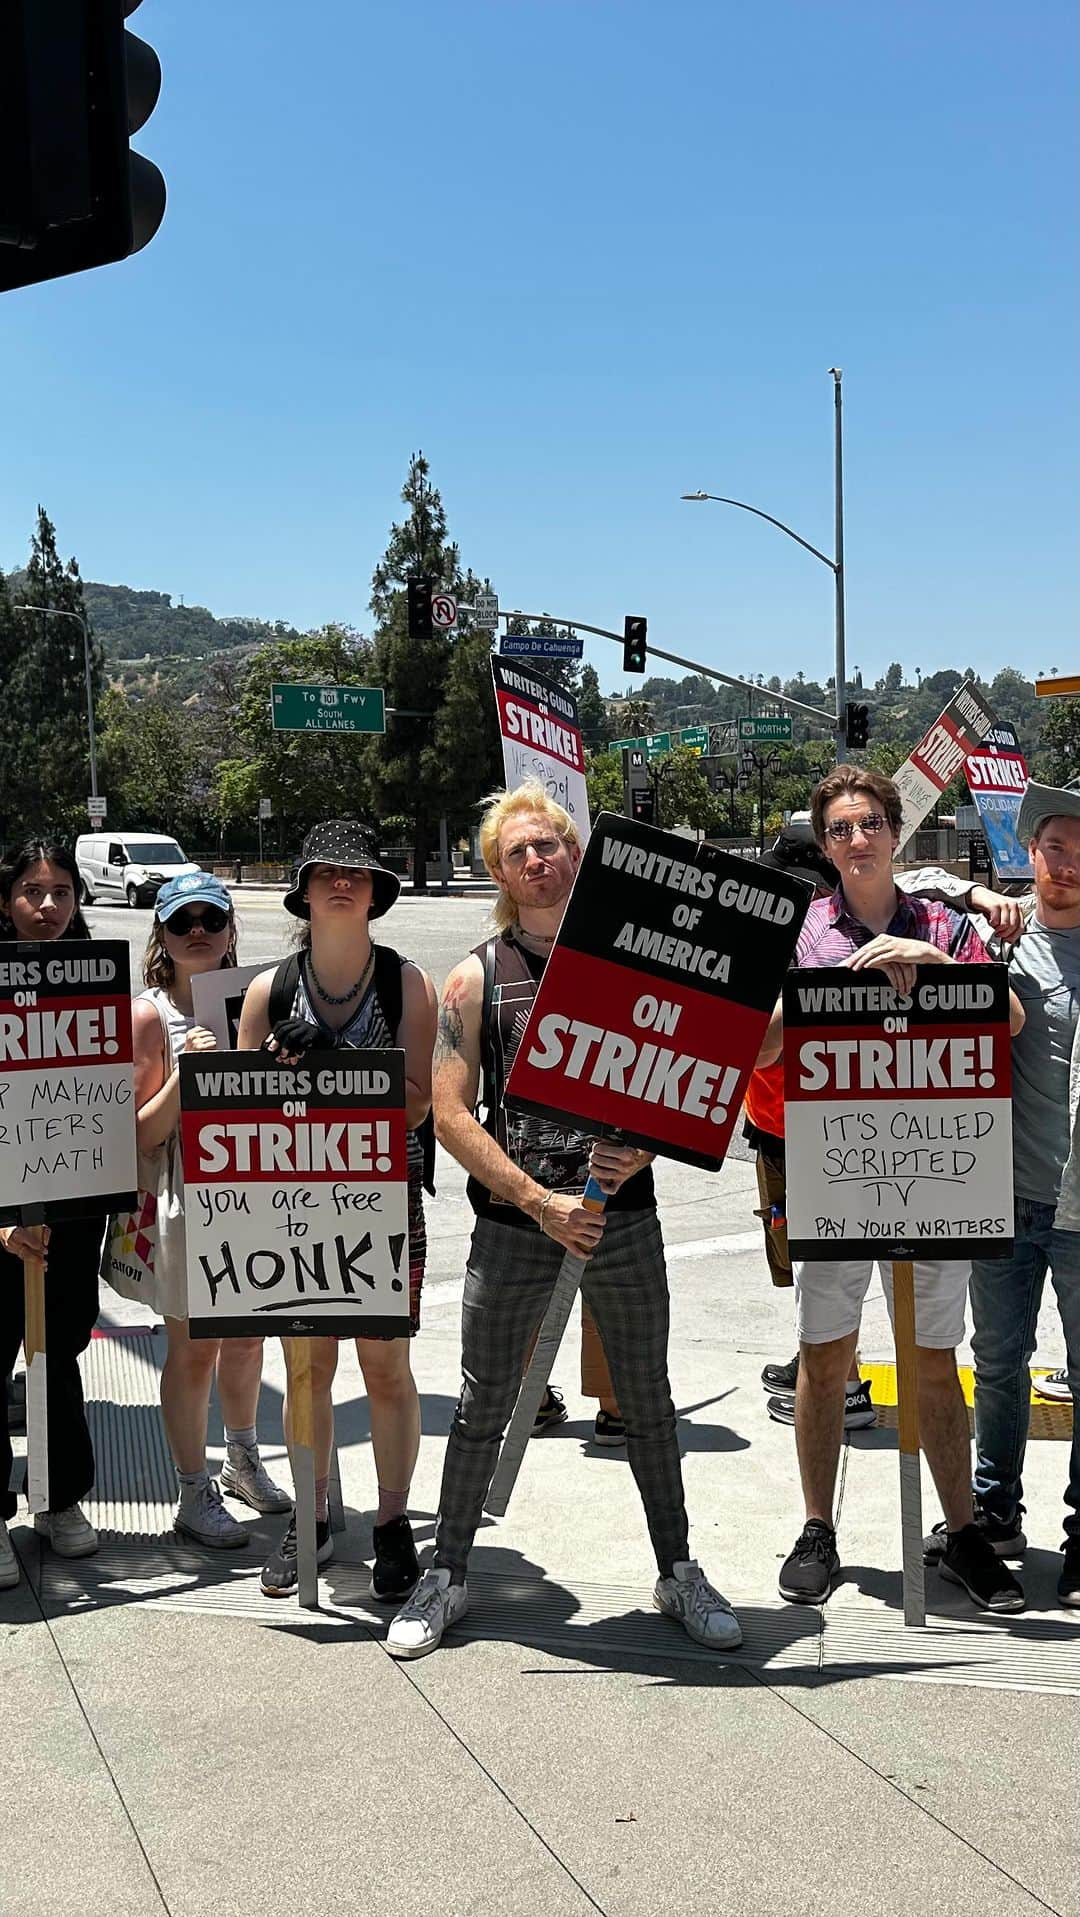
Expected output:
(296, 1194)
(898, 1114)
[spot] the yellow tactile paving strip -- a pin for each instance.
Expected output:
(1048, 1420)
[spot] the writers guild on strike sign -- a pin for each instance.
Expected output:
(898, 1114)
(658, 990)
(67, 1110)
(296, 1196)
(541, 738)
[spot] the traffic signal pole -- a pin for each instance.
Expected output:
(840, 675)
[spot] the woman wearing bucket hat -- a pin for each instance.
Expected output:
(194, 931)
(341, 990)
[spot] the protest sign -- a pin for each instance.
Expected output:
(67, 1108)
(940, 754)
(898, 1114)
(295, 1194)
(997, 777)
(541, 738)
(656, 996)
(217, 1000)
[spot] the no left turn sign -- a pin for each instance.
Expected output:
(443, 611)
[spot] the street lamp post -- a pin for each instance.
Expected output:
(61, 612)
(836, 565)
(759, 762)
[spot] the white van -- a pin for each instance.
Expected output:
(128, 865)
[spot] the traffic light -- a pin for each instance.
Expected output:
(419, 591)
(633, 652)
(643, 805)
(73, 86)
(857, 724)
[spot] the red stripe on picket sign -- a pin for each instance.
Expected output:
(59, 1033)
(524, 723)
(619, 1048)
(325, 1145)
(926, 1061)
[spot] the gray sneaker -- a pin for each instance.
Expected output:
(203, 1518)
(70, 1532)
(9, 1563)
(244, 1476)
(433, 1607)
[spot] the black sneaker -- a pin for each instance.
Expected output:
(970, 1560)
(396, 1570)
(781, 1377)
(1069, 1582)
(608, 1430)
(280, 1573)
(807, 1575)
(858, 1408)
(1006, 1539)
(550, 1411)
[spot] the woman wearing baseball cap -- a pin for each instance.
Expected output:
(345, 991)
(194, 931)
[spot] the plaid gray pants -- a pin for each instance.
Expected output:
(509, 1280)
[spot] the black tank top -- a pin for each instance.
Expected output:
(552, 1153)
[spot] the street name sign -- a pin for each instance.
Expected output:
(296, 708)
(696, 737)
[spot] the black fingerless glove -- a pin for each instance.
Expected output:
(294, 1036)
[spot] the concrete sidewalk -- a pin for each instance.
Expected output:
(199, 1749)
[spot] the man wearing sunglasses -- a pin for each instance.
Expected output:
(867, 922)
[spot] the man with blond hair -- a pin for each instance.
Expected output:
(526, 1180)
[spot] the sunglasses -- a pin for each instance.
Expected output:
(213, 919)
(843, 829)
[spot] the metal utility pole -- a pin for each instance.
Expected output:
(836, 565)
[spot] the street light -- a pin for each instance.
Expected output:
(61, 612)
(836, 566)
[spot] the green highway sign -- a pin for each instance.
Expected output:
(657, 744)
(779, 728)
(627, 745)
(296, 708)
(696, 737)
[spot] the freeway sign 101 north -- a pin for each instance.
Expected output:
(778, 728)
(296, 708)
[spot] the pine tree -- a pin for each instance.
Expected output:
(44, 705)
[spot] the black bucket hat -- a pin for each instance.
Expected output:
(343, 842)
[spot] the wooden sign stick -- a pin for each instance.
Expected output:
(907, 1401)
(302, 1458)
(37, 1415)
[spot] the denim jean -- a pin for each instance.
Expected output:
(1005, 1297)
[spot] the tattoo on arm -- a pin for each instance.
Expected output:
(450, 1033)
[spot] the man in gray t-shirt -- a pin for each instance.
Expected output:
(1006, 1293)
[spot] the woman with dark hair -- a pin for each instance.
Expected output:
(345, 991)
(39, 892)
(194, 931)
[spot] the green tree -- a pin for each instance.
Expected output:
(155, 767)
(685, 795)
(44, 740)
(604, 781)
(307, 776)
(596, 726)
(1058, 756)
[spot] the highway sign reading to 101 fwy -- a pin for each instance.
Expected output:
(295, 708)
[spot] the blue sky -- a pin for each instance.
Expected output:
(589, 254)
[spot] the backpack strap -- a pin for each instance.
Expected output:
(283, 989)
(487, 1083)
(391, 996)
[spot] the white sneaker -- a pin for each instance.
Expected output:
(69, 1532)
(202, 1517)
(704, 1615)
(9, 1563)
(1054, 1386)
(244, 1476)
(419, 1625)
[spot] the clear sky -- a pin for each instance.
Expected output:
(589, 254)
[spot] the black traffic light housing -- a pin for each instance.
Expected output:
(74, 85)
(857, 724)
(419, 593)
(634, 649)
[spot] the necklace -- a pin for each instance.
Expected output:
(340, 998)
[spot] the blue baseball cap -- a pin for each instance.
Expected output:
(191, 888)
